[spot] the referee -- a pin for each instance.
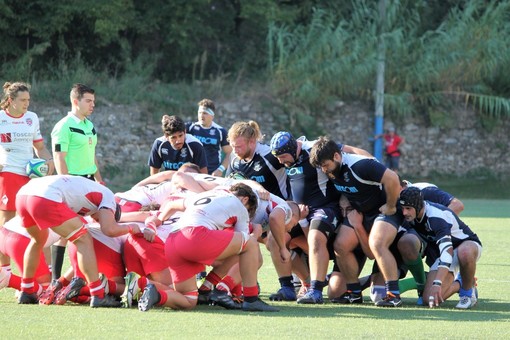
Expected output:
(73, 142)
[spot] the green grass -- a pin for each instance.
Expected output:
(489, 320)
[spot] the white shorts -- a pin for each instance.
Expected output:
(455, 267)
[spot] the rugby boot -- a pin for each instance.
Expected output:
(258, 306)
(221, 298)
(50, 293)
(311, 297)
(284, 294)
(107, 301)
(348, 297)
(27, 299)
(149, 298)
(131, 291)
(203, 297)
(390, 301)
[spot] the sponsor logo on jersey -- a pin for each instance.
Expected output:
(259, 179)
(184, 152)
(298, 170)
(257, 166)
(206, 140)
(212, 132)
(29, 121)
(346, 177)
(4, 122)
(6, 137)
(171, 165)
(343, 188)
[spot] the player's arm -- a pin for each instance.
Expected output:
(156, 178)
(356, 221)
(445, 261)
(456, 206)
(97, 174)
(227, 150)
(42, 152)
(60, 162)
(109, 227)
(188, 182)
(391, 184)
(357, 151)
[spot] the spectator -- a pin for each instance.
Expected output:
(392, 143)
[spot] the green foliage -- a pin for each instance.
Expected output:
(459, 54)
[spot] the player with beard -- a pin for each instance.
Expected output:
(373, 190)
(175, 147)
(254, 160)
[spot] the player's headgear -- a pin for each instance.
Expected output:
(237, 175)
(412, 197)
(283, 142)
(118, 212)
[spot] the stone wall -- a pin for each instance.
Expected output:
(126, 134)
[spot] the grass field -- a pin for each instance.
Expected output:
(490, 319)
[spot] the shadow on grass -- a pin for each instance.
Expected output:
(490, 310)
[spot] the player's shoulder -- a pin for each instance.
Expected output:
(190, 139)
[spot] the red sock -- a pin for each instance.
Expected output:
(85, 291)
(211, 280)
(96, 289)
(27, 285)
(251, 291)
(15, 282)
(229, 282)
(143, 282)
(112, 286)
(237, 290)
(63, 281)
(163, 297)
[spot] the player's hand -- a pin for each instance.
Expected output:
(263, 194)
(435, 296)
(303, 211)
(217, 173)
(388, 210)
(134, 229)
(149, 234)
(284, 255)
(51, 166)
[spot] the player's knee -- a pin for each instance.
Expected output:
(409, 247)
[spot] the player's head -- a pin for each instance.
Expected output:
(281, 144)
(241, 190)
(16, 94)
(206, 112)
(83, 99)
(174, 130)
(243, 138)
(411, 198)
(326, 154)
(189, 167)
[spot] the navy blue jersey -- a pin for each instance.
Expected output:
(359, 180)
(263, 168)
(213, 139)
(309, 185)
(162, 154)
(438, 221)
(433, 194)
